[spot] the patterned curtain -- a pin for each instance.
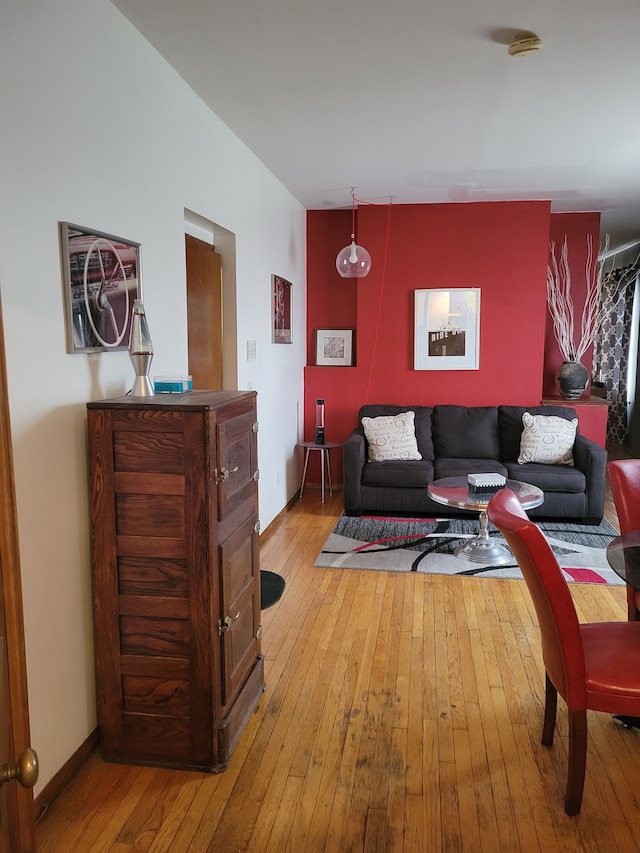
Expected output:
(611, 346)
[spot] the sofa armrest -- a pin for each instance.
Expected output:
(354, 459)
(591, 459)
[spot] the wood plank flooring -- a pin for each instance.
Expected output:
(402, 713)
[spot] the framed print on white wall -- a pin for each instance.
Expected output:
(281, 314)
(447, 329)
(101, 280)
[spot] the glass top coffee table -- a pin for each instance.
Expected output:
(623, 555)
(454, 491)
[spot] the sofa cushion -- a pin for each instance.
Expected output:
(422, 422)
(510, 423)
(549, 478)
(547, 440)
(415, 474)
(466, 431)
(392, 437)
(461, 466)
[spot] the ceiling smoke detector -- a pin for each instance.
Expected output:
(524, 44)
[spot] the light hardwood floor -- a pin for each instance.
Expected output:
(402, 713)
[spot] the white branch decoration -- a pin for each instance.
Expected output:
(560, 301)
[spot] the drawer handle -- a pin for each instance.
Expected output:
(224, 474)
(226, 625)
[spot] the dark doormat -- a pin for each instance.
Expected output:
(271, 588)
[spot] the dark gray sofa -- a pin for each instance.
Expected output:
(460, 440)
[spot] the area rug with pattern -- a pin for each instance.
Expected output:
(426, 545)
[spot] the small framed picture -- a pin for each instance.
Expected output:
(447, 329)
(334, 347)
(281, 301)
(101, 280)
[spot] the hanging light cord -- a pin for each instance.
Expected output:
(354, 199)
(382, 284)
(353, 214)
(383, 276)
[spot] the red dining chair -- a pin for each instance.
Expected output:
(592, 666)
(624, 479)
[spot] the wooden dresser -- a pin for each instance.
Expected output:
(176, 580)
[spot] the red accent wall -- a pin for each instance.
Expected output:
(500, 247)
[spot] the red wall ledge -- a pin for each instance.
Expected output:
(592, 415)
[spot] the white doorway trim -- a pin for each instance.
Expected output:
(224, 242)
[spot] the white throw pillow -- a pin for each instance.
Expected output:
(391, 437)
(547, 439)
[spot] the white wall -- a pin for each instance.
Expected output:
(98, 130)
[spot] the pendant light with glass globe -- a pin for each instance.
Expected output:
(353, 261)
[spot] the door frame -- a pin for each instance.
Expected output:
(20, 800)
(223, 242)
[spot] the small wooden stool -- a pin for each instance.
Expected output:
(325, 453)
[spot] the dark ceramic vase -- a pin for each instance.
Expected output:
(572, 379)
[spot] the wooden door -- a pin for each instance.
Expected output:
(17, 814)
(240, 602)
(236, 475)
(204, 314)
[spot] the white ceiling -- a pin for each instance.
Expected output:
(418, 101)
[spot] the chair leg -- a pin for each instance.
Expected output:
(577, 761)
(633, 614)
(550, 706)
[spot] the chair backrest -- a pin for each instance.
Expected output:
(624, 478)
(562, 650)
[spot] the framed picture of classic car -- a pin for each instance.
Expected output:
(101, 280)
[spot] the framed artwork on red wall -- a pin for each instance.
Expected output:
(281, 302)
(334, 347)
(447, 329)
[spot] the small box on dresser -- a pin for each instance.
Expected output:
(176, 580)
